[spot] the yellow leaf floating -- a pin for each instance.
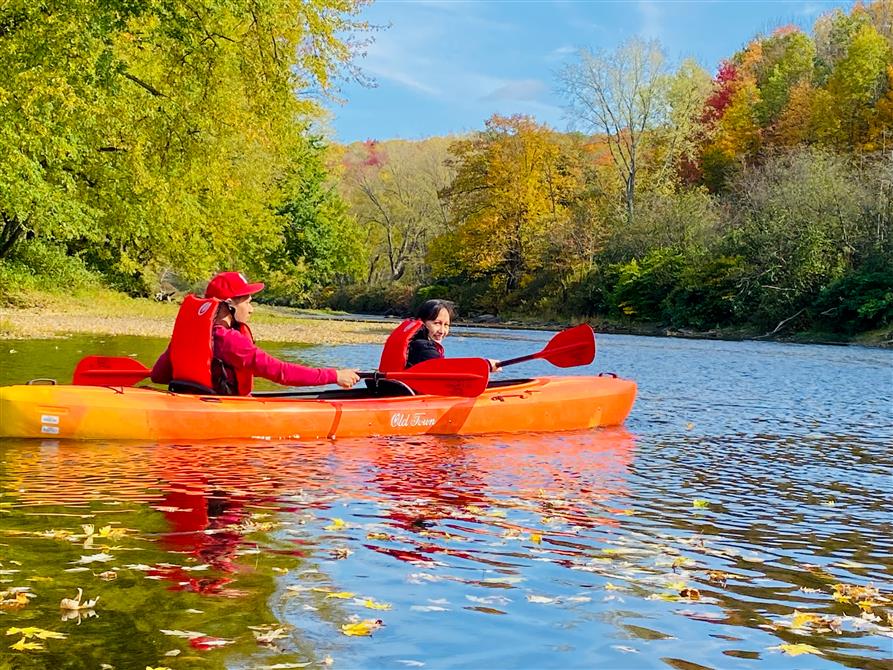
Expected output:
(800, 619)
(342, 595)
(22, 645)
(39, 633)
(700, 503)
(536, 538)
(337, 524)
(364, 627)
(797, 649)
(372, 605)
(113, 533)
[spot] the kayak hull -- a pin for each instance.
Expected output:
(140, 413)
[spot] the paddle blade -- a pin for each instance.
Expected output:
(464, 377)
(572, 347)
(109, 371)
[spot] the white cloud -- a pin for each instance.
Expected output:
(561, 53)
(519, 89)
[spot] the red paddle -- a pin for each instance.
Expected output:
(569, 348)
(109, 371)
(466, 377)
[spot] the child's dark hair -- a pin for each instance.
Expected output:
(429, 309)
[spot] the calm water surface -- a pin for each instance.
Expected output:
(742, 516)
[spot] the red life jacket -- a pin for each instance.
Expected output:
(393, 356)
(192, 350)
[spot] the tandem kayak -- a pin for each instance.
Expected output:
(144, 413)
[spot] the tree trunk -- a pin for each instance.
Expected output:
(10, 233)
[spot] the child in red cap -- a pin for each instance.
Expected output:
(236, 358)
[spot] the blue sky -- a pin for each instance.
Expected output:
(444, 67)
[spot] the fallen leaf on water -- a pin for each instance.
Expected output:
(39, 633)
(268, 636)
(373, 605)
(108, 575)
(340, 553)
(54, 534)
(536, 538)
(543, 600)
(718, 576)
(341, 595)
(700, 502)
(797, 649)
(101, 557)
(690, 593)
(337, 524)
(22, 645)
(76, 604)
(378, 536)
(800, 619)
(208, 642)
(19, 599)
(364, 627)
(188, 634)
(112, 533)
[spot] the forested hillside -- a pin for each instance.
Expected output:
(142, 143)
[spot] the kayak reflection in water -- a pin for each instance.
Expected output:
(212, 349)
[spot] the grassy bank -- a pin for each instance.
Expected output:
(101, 311)
(41, 314)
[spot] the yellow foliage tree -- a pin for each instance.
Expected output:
(513, 187)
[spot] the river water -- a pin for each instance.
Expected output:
(740, 519)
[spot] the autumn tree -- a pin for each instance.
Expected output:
(512, 190)
(392, 188)
(631, 98)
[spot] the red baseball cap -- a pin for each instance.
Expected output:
(230, 285)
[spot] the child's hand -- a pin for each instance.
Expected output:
(494, 365)
(347, 378)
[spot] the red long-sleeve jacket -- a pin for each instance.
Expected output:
(240, 353)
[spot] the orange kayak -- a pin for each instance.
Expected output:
(141, 413)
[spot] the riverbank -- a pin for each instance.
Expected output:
(104, 312)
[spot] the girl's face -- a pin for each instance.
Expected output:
(439, 327)
(243, 308)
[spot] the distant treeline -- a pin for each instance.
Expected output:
(760, 198)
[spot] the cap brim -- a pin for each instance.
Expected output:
(251, 289)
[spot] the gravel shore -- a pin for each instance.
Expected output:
(269, 324)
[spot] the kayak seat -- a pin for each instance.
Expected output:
(388, 388)
(193, 388)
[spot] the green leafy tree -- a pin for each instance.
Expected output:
(321, 241)
(141, 134)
